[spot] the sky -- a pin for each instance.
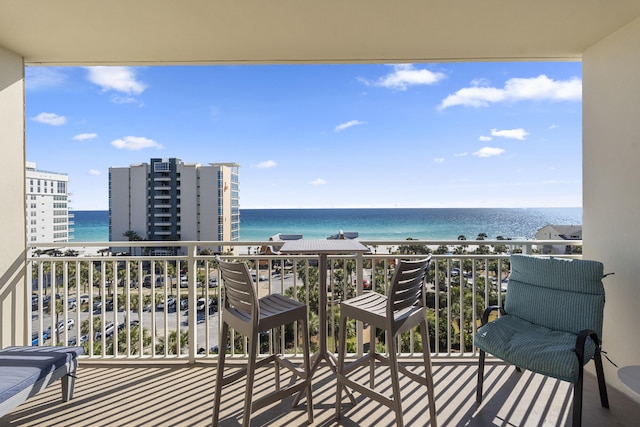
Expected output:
(426, 135)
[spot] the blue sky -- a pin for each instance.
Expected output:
(306, 136)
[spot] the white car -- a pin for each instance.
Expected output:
(70, 324)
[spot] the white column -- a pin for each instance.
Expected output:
(611, 176)
(13, 307)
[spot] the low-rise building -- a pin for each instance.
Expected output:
(558, 232)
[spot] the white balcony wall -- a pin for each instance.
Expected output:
(611, 152)
(188, 201)
(12, 175)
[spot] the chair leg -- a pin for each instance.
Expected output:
(602, 385)
(251, 369)
(275, 334)
(395, 381)
(426, 354)
(307, 367)
(222, 351)
(480, 376)
(342, 350)
(577, 399)
(372, 359)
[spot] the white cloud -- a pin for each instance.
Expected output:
(464, 154)
(43, 77)
(50, 119)
(439, 160)
(515, 90)
(266, 164)
(135, 143)
(94, 172)
(117, 99)
(484, 138)
(519, 133)
(405, 75)
(85, 136)
(119, 79)
(488, 152)
(480, 81)
(554, 127)
(347, 125)
(318, 181)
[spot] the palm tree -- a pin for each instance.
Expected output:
(171, 342)
(132, 236)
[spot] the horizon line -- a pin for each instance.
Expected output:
(379, 207)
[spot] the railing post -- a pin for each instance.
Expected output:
(193, 311)
(359, 286)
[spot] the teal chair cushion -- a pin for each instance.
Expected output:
(533, 347)
(561, 294)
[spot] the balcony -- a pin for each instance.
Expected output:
(143, 284)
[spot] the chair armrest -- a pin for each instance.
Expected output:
(581, 341)
(488, 311)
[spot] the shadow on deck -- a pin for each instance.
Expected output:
(172, 394)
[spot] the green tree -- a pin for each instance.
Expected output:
(171, 343)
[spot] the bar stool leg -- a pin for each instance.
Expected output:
(222, 351)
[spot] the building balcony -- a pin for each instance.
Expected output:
(130, 291)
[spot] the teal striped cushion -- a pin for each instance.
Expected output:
(533, 347)
(560, 294)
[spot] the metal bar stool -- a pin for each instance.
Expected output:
(403, 310)
(250, 316)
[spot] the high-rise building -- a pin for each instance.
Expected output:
(170, 200)
(48, 218)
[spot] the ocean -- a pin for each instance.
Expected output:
(372, 224)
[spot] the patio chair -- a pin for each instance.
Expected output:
(250, 316)
(403, 310)
(551, 323)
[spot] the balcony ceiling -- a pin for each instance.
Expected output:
(74, 32)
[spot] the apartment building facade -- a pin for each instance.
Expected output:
(47, 206)
(171, 200)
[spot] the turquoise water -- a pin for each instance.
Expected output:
(371, 224)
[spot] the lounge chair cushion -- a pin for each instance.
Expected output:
(23, 367)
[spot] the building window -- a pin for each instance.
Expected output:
(162, 167)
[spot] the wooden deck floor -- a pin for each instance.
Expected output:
(170, 394)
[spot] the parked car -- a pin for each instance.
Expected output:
(171, 304)
(108, 331)
(213, 282)
(61, 326)
(132, 324)
(366, 285)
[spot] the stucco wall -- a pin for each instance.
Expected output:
(12, 176)
(611, 168)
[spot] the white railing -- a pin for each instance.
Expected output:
(162, 307)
